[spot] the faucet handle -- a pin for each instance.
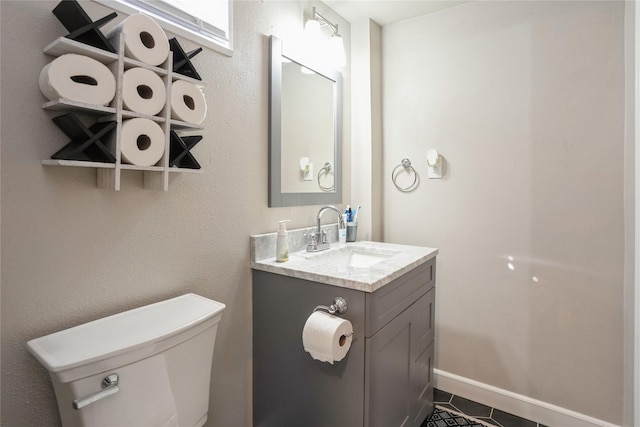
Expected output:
(313, 238)
(323, 238)
(313, 242)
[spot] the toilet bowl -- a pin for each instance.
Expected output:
(150, 366)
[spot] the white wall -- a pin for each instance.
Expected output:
(366, 148)
(525, 101)
(72, 253)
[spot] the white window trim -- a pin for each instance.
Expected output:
(218, 43)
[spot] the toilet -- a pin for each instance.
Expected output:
(150, 366)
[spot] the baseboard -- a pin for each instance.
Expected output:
(513, 403)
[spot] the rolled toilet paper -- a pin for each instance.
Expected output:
(144, 40)
(326, 337)
(187, 102)
(142, 142)
(143, 91)
(77, 78)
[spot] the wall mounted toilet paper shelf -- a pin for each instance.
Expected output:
(176, 157)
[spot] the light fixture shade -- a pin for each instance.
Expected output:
(313, 42)
(312, 30)
(336, 47)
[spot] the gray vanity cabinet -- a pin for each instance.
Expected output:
(386, 378)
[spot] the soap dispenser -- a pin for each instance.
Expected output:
(282, 243)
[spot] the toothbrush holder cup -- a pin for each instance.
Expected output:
(352, 231)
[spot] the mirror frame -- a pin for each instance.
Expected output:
(276, 197)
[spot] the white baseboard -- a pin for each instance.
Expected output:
(513, 403)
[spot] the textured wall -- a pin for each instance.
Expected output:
(525, 101)
(72, 253)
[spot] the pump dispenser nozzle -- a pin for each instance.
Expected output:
(282, 225)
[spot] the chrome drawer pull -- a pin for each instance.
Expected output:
(111, 387)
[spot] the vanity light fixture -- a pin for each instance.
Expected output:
(315, 41)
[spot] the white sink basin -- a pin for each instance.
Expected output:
(352, 256)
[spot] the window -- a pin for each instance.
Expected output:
(206, 22)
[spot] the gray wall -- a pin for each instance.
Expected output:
(632, 218)
(525, 101)
(72, 253)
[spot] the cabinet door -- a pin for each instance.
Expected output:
(387, 374)
(421, 387)
(422, 326)
(399, 368)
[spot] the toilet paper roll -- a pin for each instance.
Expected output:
(326, 337)
(143, 91)
(142, 142)
(187, 102)
(77, 78)
(144, 40)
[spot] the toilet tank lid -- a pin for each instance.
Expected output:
(122, 332)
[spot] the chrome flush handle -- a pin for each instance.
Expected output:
(111, 387)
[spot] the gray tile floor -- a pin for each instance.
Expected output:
(479, 411)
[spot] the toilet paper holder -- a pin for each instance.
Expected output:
(339, 306)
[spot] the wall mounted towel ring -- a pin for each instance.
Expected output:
(327, 169)
(406, 164)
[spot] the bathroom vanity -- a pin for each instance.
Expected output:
(386, 377)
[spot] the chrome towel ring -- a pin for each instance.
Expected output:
(327, 169)
(406, 165)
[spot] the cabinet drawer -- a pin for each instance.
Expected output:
(392, 299)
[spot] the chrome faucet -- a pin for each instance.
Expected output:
(319, 238)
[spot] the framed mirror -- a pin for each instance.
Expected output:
(305, 132)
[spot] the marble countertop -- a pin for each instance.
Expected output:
(301, 264)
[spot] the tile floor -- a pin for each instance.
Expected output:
(484, 413)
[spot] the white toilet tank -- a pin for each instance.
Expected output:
(161, 354)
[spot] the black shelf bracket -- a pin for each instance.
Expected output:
(86, 143)
(179, 148)
(80, 26)
(182, 61)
